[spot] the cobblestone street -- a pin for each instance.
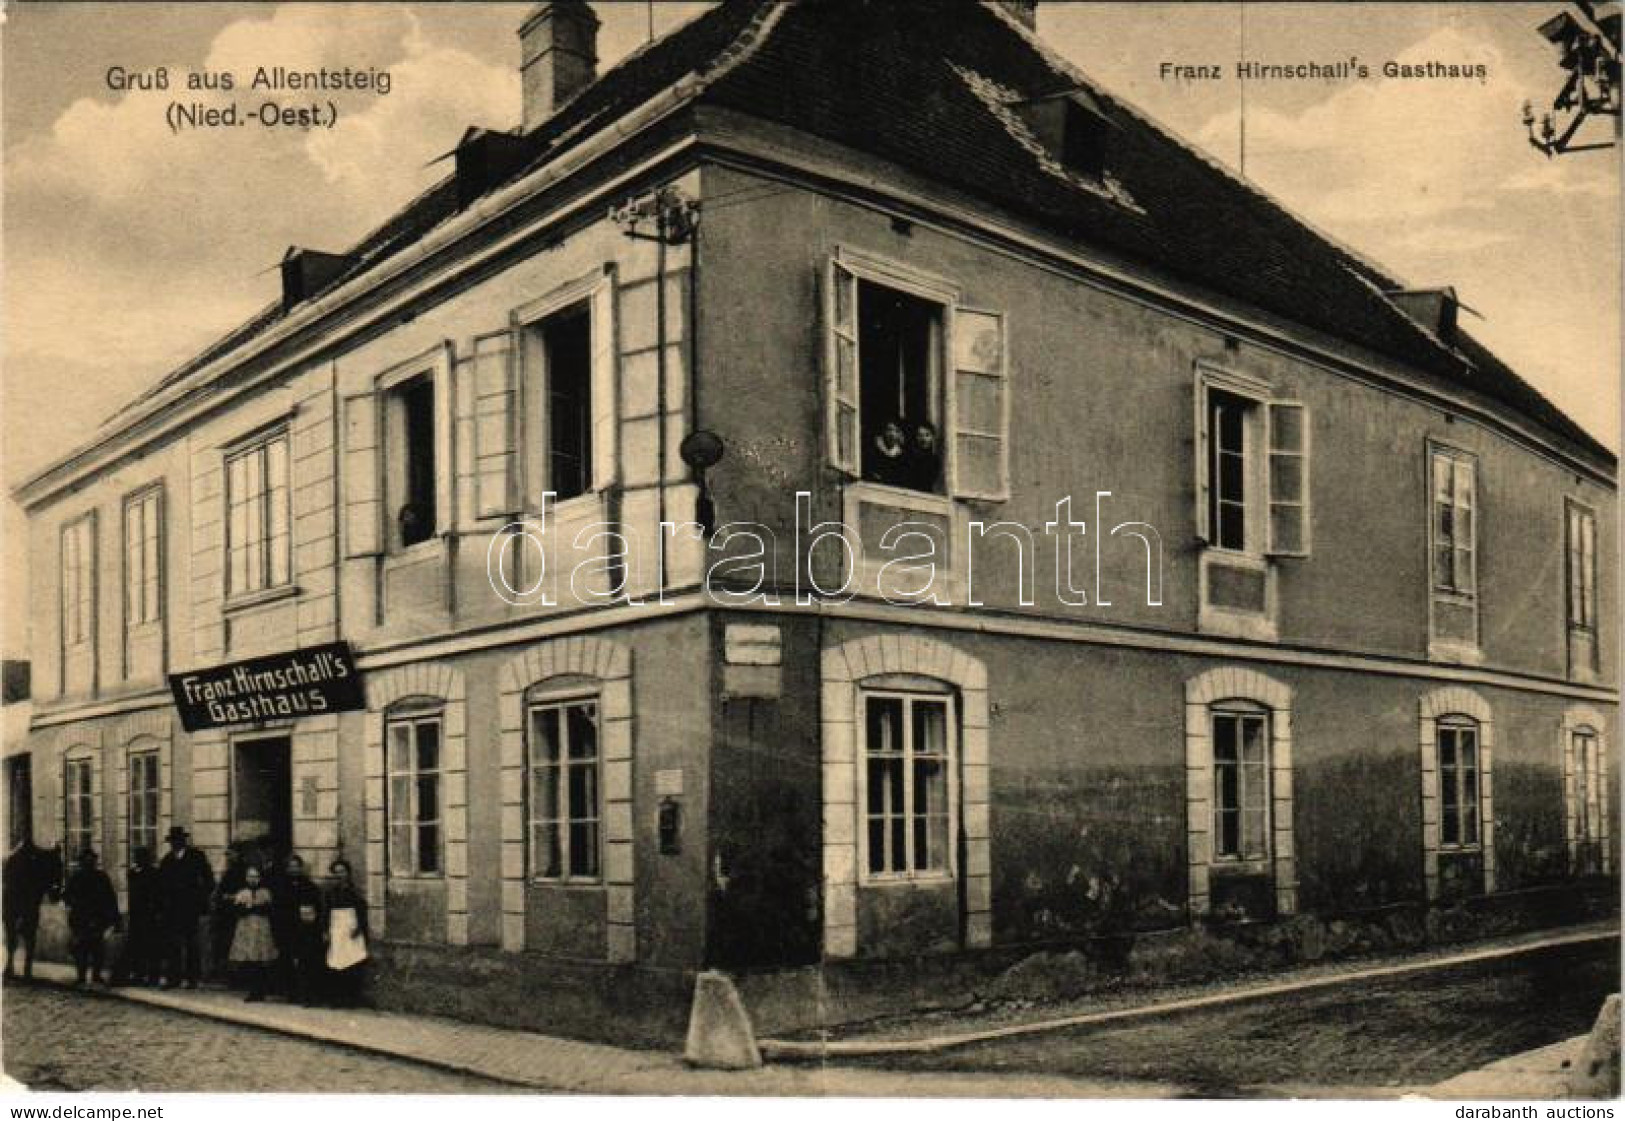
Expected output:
(60, 1040)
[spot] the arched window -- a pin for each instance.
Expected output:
(565, 783)
(1241, 780)
(1585, 790)
(909, 783)
(1459, 809)
(413, 740)
(78, 804)
(1238, 792)
(145, 794)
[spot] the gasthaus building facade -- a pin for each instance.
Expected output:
(1336, 644)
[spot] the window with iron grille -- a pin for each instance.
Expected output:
(909, 784)
(564, 790)
(414, 760)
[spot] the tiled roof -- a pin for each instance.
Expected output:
(917, 82)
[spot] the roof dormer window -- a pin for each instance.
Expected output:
(1073, 127)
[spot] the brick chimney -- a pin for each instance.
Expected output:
(1025, 11)
(558, 56)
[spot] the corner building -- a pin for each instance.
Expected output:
(1347, 644)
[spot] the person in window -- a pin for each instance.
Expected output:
(92, 910)
(888, 462)
(143, 950)
(185, 882)
(296, 923)
(252, 947)
(346, 935)
(923, 460)
(414, 527)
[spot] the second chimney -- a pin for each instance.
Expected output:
(558, 56)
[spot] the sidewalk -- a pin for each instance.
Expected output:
(1539, 1074)
(939, 1031)
(549, 1063)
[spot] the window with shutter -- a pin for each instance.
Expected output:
(841, 367)
(363, 507)
(491, 366)
(1252, 467)
(1288, 479)
(981, 406)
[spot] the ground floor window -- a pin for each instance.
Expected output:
(564, 785)
(144, 788)
(1458, 783)
(1241, 785)
(908, 771)
(415, 836)
(1588, 790)
(78, 786)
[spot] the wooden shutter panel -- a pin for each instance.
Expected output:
(492, 367)
(363, 506)
(1288, 483)
(841, 367)
(979, 407)
(605, 455)
(1204, 463)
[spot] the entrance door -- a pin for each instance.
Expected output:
(262, 798)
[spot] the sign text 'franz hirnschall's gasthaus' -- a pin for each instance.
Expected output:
(901, 257)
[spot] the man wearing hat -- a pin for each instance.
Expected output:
(185, 882)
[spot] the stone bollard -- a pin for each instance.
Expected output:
(1596, 1071)
(719, 1031)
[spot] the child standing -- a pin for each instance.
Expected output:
(252, 946)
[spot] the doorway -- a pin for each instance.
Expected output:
(262, 798)
(19, 800)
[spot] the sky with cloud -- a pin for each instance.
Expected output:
(128, 248)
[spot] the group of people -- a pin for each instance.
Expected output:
(905, 453)
(274, 929)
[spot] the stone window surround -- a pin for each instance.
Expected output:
(1577, 718)
(610, 664)
(844, 668)
(1456, 700)
(440, 682)
(1202, 693)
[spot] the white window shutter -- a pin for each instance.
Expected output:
(1204, 462)
(841, 367)
(1288, 482)
(979, 406)
(495, 485)
(604, 366)
(363, 505)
